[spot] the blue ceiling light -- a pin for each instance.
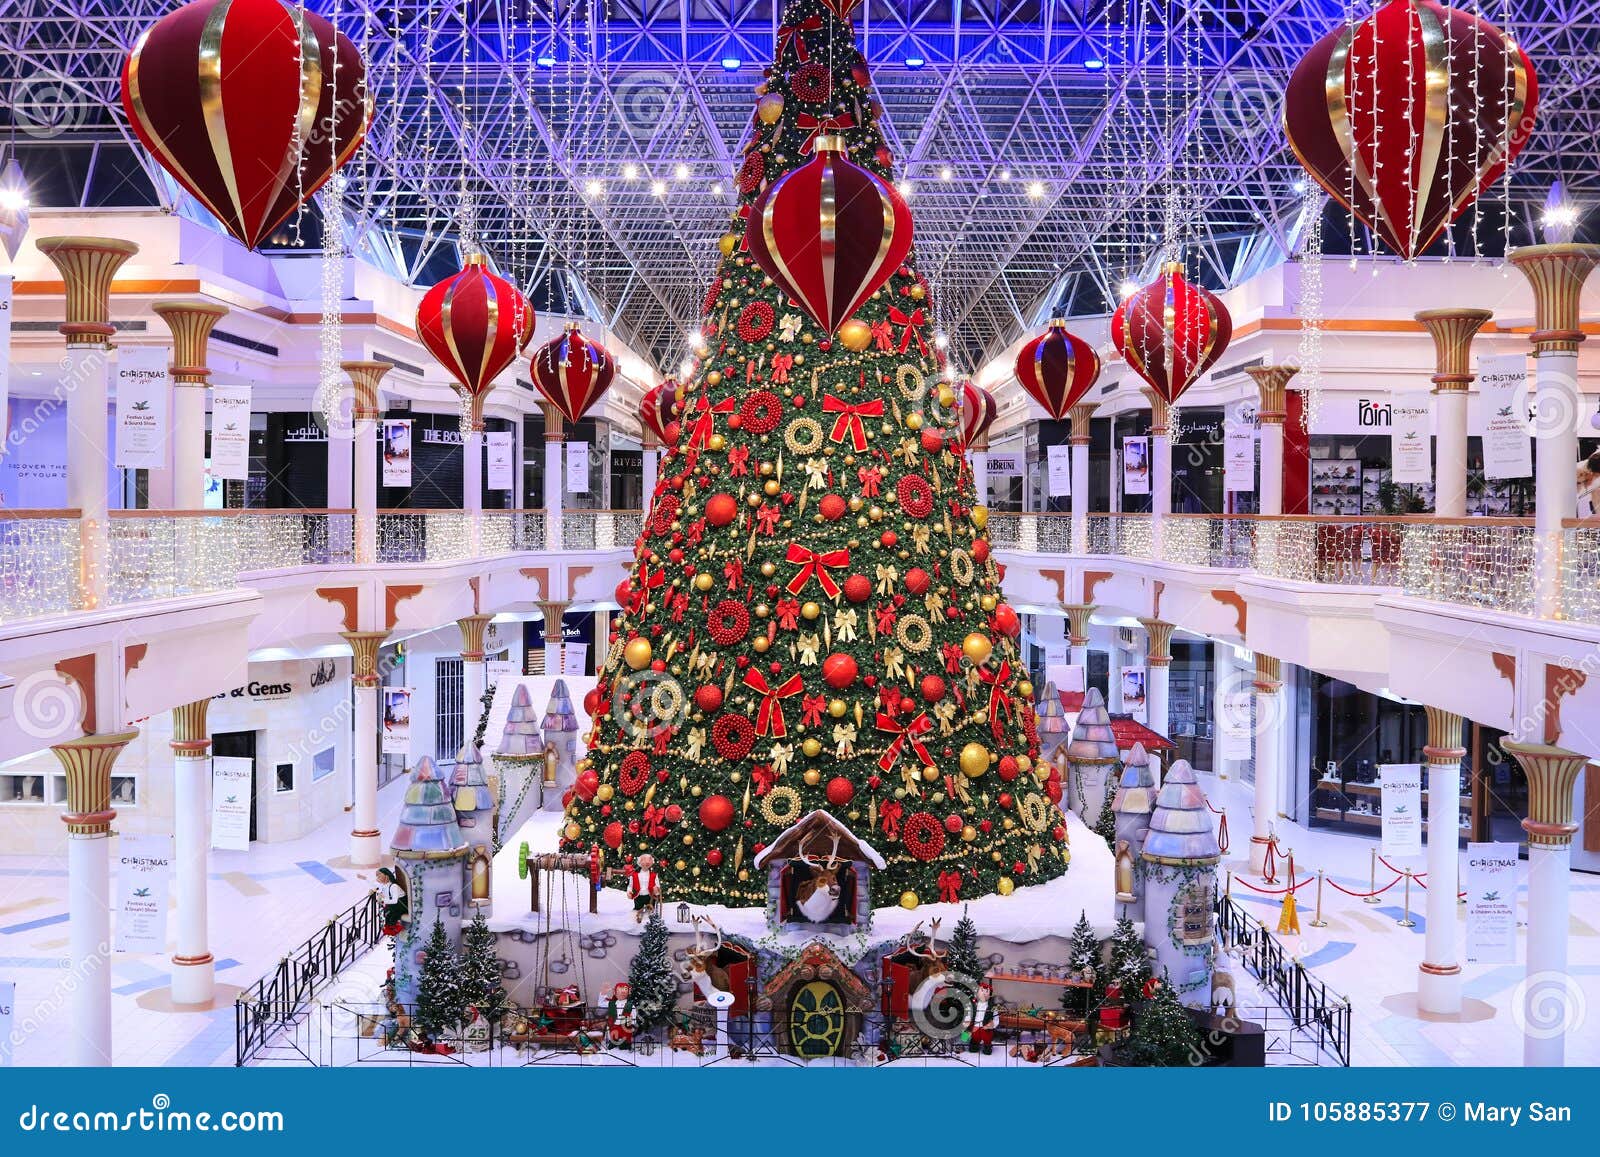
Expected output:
(731, 63)
(1094, 64)
(915, 62)
(545, 60)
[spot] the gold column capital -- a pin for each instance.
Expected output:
(87, 265)
(553, 613)
(364, 378)
(190, 733)
(472, 630)
(1160, 411)
(87, 761)
(191, 323)
(1444, 737)
(1078, 615)
(1269, 674)
(364, 655)
(1557, 274)
(552, 422)
(1272, 383)
(1158, 653)
(1552, 772)
(1080, 416)
(1452, 331)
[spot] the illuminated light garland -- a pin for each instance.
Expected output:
(1311, 307)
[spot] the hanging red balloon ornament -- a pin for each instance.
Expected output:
(1058, 369)
(829, 233)
(572, 372)
(234, 98)
(474, 323)
(1171, 332)
(658, 410)
(1406, 117)
(978, 412)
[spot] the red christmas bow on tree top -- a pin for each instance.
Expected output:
(812, 563)
(769, 717)
(792, 32)
(816, 126)
(849, 421)
(999, 699)
(913, 323)
(911, 732)
(890, 814)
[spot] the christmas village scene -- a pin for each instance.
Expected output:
(812, 808)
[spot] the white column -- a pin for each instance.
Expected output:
(1160, 468)
(649, 466)
(191, 323)
(1452, 331)
(1078, 635)
(193, 967)
(1272, 382)
(553, 614)
(1551, 1004)
(1557, 274)
(1439, 975)
(553, 479)
(366, 841)
(87, 761)
(365, 414)
(1268, 739)
(474, 674)
(980, 475)
(1081, 416)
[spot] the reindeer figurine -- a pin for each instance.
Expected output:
(709, 978)
(816, 898)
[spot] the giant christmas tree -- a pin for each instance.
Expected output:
(814, 620)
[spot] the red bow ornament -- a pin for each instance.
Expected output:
(999, 698)
(849, 424)
(911, 733)
(769, 716)
(913, 323)
(889, 814)
(792, 34)
(816, 126)
(812, 563)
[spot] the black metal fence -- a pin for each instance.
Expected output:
(1310, 1007)
(276, 1000)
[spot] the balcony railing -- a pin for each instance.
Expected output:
(600, 529)
(162, 554)
(1580, 571)
(1474, 562)
(41, 555)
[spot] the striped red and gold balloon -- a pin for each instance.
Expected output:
(978, 412)
(251, 105)
(658, 410)
(1407, 116)
(474, 323)
(572, 372)
(1057, 369)
(1171, 332)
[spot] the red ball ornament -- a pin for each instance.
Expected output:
(832, 507)
(1005, 800)
(1006, 620)
(708, 697)
(839, 671)
(592, 701)
(932, 441)
(932, 688)
(1007, 768)
(889, 538)
(721, 509)
(674, 813)
(840, 791)
(829, 233)
(858, 588)
(953, 824)
(716, 812)
(1171, 332)
(714, 857)
(572, 372)
(1057, 369)
(980, 550)
(613, 835)
(918, 581)
(228, 99)
(587, 784)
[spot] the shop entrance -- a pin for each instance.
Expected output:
(240, 745)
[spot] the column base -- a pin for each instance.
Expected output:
(366, 849)
(1439, 989)
(1258, 854)
(194, 979)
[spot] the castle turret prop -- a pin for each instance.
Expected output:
(1054, 727)
(560, 728)
(520, 761)
(1132, 806)
(475, 805)
(432, 854)
(1091, 757)
(1179, 878)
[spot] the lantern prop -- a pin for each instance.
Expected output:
(1171, 332)
(474, 323)
(978, 412)
(1057, 369)
(572, 372)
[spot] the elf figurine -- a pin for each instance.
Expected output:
(643, 887)
(621, 1020)
(983, 1020)
(396, 904)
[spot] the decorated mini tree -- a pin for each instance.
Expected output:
(1083, 954)
(963, 951)
(650, 978)
(815, 620)
(1163, 1033)
(440, 1003)
(482, 986)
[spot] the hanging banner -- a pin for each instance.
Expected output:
(1136, 465)
(1491, 887)
(1060, 462)
(1400, 792)
(1236, 725)
(1133, 693)
(5, 358)
(577, 467)
(230, 432)
(1238, 456)
(1005, 463)
(232, 781)
(494, 670)
(502, 445)
(1503, 390)
(1411, 441)
(144, 874)
(144, 408)
(396, 721)
(8, 1005)
(397, 452)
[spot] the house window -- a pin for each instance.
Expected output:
(283, 778)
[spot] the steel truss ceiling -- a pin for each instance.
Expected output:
(1036, 178)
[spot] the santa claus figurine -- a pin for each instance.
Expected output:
(983, 1020)
(644, 889)
(621, 1020)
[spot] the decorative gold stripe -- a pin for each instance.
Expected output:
(210, 76)
(1435, 115)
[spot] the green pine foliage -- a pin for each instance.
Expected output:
(1130, 960)
(963, 950)
(1106, 825)
(484, 703)
(440, 1003)
(1163, 1034)
(1083, 952)
(650, 976)
(483, 987)
(817, 505)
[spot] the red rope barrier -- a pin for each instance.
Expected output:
(1222, 828)
(1273, 891)
(1402, 871)
(1364, 895)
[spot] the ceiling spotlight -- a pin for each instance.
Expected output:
(905, 187)
(915, 62)
(1559, 224)
(1005, 174)
(716, 189)
(1127, 289)
(681, 172)
(658, 188)
(630, 172)
(941, 340)
(545, 60)
(593, 187)
(1036, 188)
(946, 173)
(1094, 64)
(731, 63)
(13, 200)
(1299, 186)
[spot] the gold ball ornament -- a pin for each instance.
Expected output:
(714, 378)
(988, 602)
(837, 708)
(930, 774)
(974, 760)
(637, 654)
(604, 792)
(572, 831)
(855, 335)
(913, 421)
(977, 648)
(969, 833)
(726, 243)
(812, 748)
(769, 108)
(810, 611)
(980, 516)
(703, 581)
(759, 644)
(908, 900)
(1025, 689)
(947, 397)
(716, 442)
(812, 777)
(768, 569)
(1005, 886)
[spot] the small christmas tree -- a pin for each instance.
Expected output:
(439, 996)
(650, 976)
(963, 952)
(1106, 826)
(1163, 1033)
(1082, 956)
(484, 703)
(482, 987)
(1128, 968)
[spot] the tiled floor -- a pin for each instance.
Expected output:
(268, 900)
(264, 903)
